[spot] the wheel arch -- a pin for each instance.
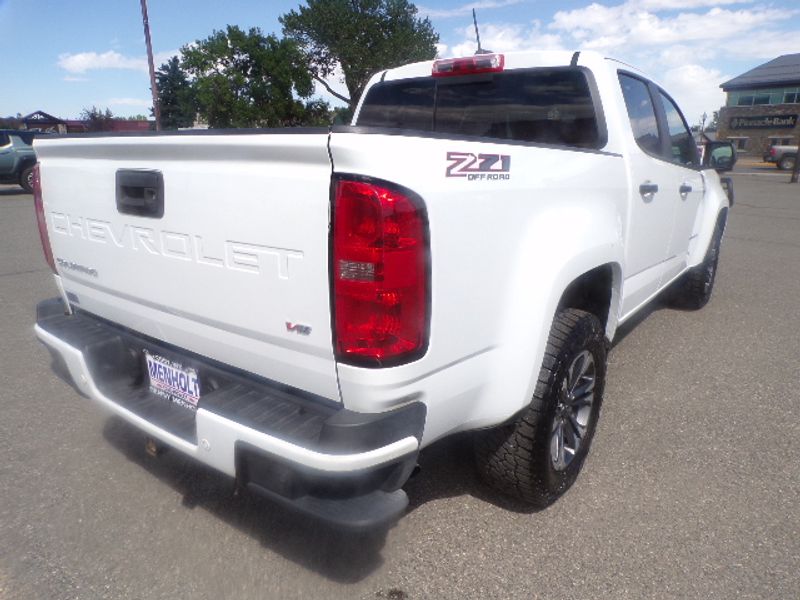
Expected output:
(24, 163)
(572, 260)
(716, 206)
(597, 291)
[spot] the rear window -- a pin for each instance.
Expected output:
(548, 106)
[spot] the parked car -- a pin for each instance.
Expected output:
(305, 310)
(17, 157)
(782, 156)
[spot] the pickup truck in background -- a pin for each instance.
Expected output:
(305, 310)
(782, 156)
(17, 158)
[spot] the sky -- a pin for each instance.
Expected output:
(63, 56)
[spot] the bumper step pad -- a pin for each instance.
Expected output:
(115, 358)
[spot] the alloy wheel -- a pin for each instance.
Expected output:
(573, 411)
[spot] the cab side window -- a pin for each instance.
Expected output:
(641, 113)
(682, 148)
(4, 139)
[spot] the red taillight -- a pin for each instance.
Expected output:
(773, 152)
(380, 274)
(40, 218)
(480, 63)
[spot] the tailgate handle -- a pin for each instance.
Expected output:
(140, 193)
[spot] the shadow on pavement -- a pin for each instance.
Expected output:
(640, 317)
(447, 470)
(13, 191)
(340, 556)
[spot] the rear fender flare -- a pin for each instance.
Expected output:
(559, 247)
(26, 162)
(715, 206)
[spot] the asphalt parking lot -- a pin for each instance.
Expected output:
(691, 490)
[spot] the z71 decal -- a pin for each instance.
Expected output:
(478, 166)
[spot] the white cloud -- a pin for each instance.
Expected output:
(466, 9)
(610, 27)
(675, 40)
(680, 54)
(507, 38)
(137, 102)
(717, 24)
(159, 58)
(89, 61)
(765, 44)
(695, 89)
(659, 5)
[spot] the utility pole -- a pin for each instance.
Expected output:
(153, 88)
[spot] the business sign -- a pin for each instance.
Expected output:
(764, 122)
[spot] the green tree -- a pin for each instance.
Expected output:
(360, 36)
(97, 119)
(342, 115)
(317, 114)
(247, 79)
(175, 95)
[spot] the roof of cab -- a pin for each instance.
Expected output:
(513, 60)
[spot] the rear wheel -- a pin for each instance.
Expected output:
(26, 179)
(538, 457)
(786, 163)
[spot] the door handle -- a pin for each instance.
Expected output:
(685, 189)
(646, 189)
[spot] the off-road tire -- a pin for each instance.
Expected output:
(692, 290)
(25, 179)
(516, 459)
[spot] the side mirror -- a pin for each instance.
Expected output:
(720, 156)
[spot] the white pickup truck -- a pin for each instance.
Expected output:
(306, 310)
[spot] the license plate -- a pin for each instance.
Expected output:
(172, 381)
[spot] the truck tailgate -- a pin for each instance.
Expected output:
(236, 267)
